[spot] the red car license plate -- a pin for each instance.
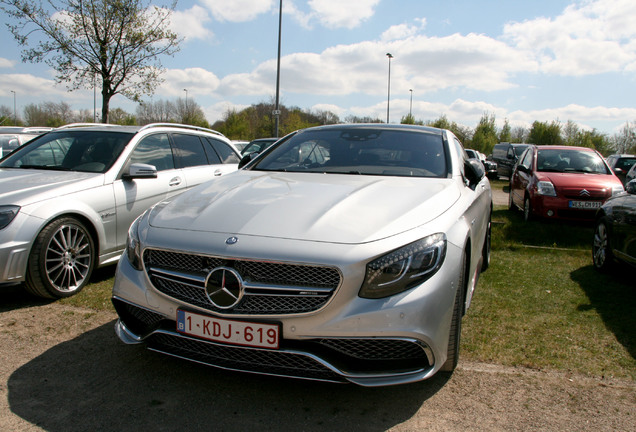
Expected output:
(251, 334)
(585, 204)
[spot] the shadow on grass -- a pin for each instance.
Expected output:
(511, 230)
(94, 382)
(613, 296)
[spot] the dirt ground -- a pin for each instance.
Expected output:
(63, 369)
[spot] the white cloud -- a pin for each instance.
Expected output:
(400, 31)
(198, 82)
(587, 38)
(191, 23)
(6, 63)
(342, 13)
(238, 10)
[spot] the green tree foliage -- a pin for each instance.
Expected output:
(50, 114)
(625, 140)
(505, 135)
(485, 136)
(365, 119)
(543, 133)
(121, 117)
(119, 41)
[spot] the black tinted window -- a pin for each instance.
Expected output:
(154, 150)
(227, 155)
(190, 150)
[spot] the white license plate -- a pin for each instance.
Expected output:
(585, 204)
(228, 331)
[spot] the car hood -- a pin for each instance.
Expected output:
(27, 186)
(579, 180)
(332, 208)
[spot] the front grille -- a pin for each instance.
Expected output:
(376, 349)
(270, 288)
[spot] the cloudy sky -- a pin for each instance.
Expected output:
(519, 60)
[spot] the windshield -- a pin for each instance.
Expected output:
(365, 151)
(570, 160)
(70, 150)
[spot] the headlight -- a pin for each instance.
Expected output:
(546, 188)
(404, 268)
(7, 214)
(616, 189)
(133, 248)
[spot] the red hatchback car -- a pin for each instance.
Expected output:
(561, 182)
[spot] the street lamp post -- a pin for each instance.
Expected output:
(15, 115)
(411, 105)
(388, 99)
(277, 108)
(186, 100)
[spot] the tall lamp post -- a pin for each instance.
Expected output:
(388, 99)
(276, 108)
(411, 105)
(186, 102)
(15, 115)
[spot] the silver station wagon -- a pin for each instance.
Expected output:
(344, 253)
(68, 197)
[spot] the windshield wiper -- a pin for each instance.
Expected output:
(44, 167)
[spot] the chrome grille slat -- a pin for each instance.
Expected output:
(270, 288)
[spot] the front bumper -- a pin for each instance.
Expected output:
(370, 342)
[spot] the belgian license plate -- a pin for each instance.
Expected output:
(243, 333)
(585, 204)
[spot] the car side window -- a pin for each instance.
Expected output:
(190, 150)
(526, 159)
(459, 148)
(227, 155)
(154, 150)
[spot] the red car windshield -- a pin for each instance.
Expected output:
(570, 160)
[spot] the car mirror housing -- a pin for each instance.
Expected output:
(139, 170)
(631, 187)
(474, 171)
(247, 159)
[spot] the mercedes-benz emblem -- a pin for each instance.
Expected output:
(231, 240)
(224, 287)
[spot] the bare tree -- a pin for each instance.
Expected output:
(119, 41)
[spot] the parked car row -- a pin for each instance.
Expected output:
(489, 166)
(12, 137)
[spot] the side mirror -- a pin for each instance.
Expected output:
(140, 171)
(247, 159)
(630, 187)
(474, 171)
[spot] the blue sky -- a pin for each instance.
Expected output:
(519, 60)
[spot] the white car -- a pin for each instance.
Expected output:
(344, 253)
(69, 196)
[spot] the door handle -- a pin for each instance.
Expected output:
(218, 173)
(175, 181)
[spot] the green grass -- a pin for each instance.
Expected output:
(540, 305)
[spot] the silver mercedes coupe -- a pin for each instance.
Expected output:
(343, 253)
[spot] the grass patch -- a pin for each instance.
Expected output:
(540, 305)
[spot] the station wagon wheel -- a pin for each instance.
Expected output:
(601, 250)
(456, 324)
(61, 260)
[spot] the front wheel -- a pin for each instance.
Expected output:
(601, 249)
(454, 335)
(527, 210)
(62, 259)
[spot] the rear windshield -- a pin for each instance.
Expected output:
(359, 151)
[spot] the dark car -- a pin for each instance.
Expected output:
(258, 145)
(615, 232)
(506, 155)
(621, 164)
(561, 182)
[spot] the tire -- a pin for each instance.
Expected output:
(485, 252)
(511, 204)
(61, 260)
(454, 336)
(527, 210)
(601, 249)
